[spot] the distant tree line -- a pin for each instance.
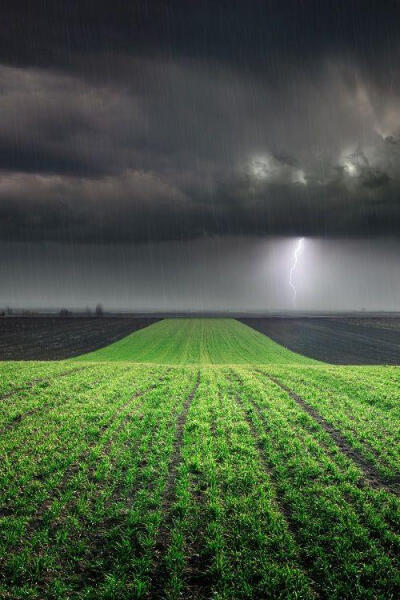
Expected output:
(63, 312)
(98, 311)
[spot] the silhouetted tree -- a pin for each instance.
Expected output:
(99, 310)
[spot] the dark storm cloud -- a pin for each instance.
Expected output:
(166, 120)
(56, 33)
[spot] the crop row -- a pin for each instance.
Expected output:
(15, 376)
(363, 406)
(124, 481)
(80, 519)
(37, 452)
(228, 537)
(347, 531)
(50, 393)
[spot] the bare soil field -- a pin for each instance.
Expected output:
(55, 338)
(336, 340)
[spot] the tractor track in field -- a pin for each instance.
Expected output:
(198, 580)
(371, 474)
(384, 432)
(367, 446)
(362, 482)
(304, 563)
(30, 384)
(159, 574)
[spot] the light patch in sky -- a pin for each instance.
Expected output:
(299, 177)
(261, 167)
(350, 162)
(350, 168)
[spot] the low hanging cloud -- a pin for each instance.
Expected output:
(108, 208)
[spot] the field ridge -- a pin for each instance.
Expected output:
(197, 341)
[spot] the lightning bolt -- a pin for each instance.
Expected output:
(296, 255)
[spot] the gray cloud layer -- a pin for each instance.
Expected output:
(139, 124)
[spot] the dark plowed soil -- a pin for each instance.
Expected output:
(338, 340)
(55, 338)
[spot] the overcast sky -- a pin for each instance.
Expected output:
(166, 142)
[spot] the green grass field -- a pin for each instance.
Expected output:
(197, 459)
(198, 341)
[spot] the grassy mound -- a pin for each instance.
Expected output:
(198, 341)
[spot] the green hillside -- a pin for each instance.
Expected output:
(198, 341)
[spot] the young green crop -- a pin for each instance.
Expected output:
(16, 376)
(198, 341)
(367, 413)
(228, 538)
(198, 459)
(320, 493)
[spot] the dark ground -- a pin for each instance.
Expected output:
(337, 340)
(54, 338)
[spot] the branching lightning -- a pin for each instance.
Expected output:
(297, 252)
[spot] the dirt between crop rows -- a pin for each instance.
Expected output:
(55, 338)
(338, 340)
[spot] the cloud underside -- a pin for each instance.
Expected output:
(107, 141)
